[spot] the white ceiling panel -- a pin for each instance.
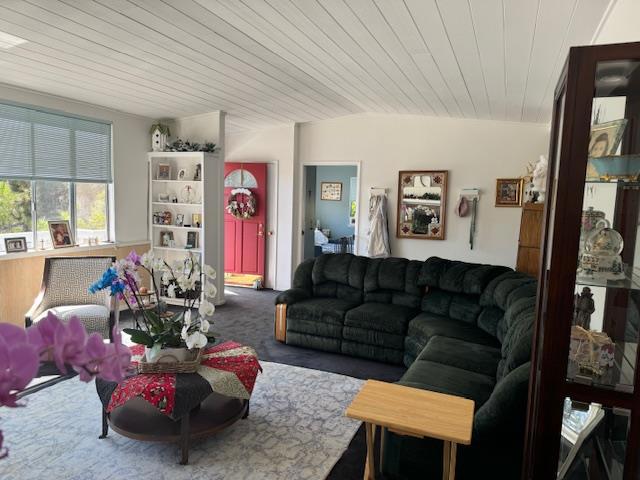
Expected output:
(268, 62)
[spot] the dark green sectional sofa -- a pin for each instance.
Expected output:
(461, 328)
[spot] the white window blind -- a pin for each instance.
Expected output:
(38, 145)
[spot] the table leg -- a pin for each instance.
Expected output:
(452, 461)
(382, 435)
(105, 424)
(446, 460)
(369, 466)
(184, 439)
(246, 412)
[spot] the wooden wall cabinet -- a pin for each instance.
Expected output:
(528, 260)
(598, 92)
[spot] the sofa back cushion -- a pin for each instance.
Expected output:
(339, 276)
(454, 288)
(518, 335)
(393, 280)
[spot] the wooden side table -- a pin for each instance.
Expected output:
(414, 412)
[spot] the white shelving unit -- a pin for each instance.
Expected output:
(190, 197)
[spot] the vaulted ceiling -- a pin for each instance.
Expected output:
(267, 62)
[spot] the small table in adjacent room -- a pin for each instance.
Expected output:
(170, 407)
(414, 412)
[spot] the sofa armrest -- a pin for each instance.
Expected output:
(292, 296)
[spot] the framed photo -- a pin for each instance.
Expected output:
(180, 220)
(163, 197)
(422, 204)
(331, 191)
(196, 220)
(61, 236)
(509, 192)
(15, 244)
(182, 174)
(605, 138)
(166, 239)
(164, 171)
(192, 240)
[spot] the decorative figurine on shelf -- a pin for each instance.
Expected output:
(591, 219)
(187, 194)
(601, 258)
(540, 179)
(583, 307)
(529, 194)
(159, 134)
(197, 176)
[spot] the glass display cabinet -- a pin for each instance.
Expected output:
(584, 402)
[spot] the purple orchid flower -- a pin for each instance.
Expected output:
(134, 258)
(18, 363)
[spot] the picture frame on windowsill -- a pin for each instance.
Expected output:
(15, 244)
(61, 234)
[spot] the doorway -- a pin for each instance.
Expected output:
(245, 216)
(330, 209)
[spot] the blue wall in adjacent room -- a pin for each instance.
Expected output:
(333, 214)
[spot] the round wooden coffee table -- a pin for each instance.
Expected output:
(139, 420)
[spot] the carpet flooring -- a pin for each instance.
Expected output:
(291, 433)
(247, 317)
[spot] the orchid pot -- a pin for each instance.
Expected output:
(169, 354)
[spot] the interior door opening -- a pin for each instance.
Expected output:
(330, 206)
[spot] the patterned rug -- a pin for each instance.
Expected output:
(296, 429)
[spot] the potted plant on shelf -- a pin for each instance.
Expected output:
(166, 335)
(159, 135)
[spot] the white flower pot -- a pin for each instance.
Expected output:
(168, 355)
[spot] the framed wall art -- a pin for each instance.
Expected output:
(509, 192)
(331, 191)
(422, 196)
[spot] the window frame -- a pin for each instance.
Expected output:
(73, 211)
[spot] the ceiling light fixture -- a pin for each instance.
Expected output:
(8, 41)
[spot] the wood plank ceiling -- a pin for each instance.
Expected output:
(268, 62)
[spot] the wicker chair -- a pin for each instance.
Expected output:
(65, 292)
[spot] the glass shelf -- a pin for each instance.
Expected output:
(619, 377)
(631, 281)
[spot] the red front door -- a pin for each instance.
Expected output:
(244, 242)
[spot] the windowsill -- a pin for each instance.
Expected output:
(64, 251)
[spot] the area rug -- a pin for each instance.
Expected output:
(296, 429)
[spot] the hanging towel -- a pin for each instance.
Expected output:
(378, 227)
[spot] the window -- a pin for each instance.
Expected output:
(53, 167)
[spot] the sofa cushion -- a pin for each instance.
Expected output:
(95, 318)
(329, 310)
(498, 291)
(458, 277)
(314, 341)
(427, 325)
(372, 352)
(322, 329)
(450, 380)
(373, 337)
(466, 355)
(382, 317)
(489, 319)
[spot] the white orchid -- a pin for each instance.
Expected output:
(185, 332)
(171, 291)
(210, 290)
(206, 309)
(166, 277)
(209, 271)
(196, 340)
(147, 260)
(186, 283)
(187, 318)
(204, 325)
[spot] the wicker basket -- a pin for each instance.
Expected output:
(165, 364)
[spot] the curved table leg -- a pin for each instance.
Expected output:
(105, 424)
(184, 439)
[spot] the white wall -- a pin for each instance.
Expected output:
(475, 152)
(620, 23)
(276, 147)
(131, 142)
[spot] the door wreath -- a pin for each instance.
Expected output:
(241, 203)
